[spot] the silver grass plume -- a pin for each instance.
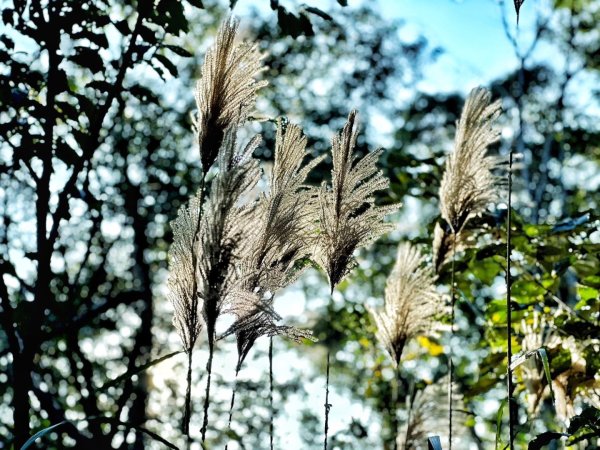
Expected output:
(445, 242)
(348, 216)
(411, 302)
(427, 416)
(469, 183)
(258, 319)
(223, 231)
(226, 91)
(279, 245)
(285, 216)
(225, 226)
(182, 281)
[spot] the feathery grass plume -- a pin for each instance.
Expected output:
(284, 218)
(348, 216)
(225, 226)
(257, 320)
(183, 285)
(427, 416)
(278, 245)
(411, 302)
(469, 184)
(182, 281)
(226, 91)
(445, 242)
(276, 249)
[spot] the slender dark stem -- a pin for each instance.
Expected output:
(207, 395)
(396, 403)
(233, 391)
(188, 399)
(327, 405)
(450, 353)
(509, 383)
(272, 410)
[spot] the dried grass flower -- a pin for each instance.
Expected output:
(411, 302)
(226, 91)
(469, 183)
(278, 246)
(428, 415)
(348, 216)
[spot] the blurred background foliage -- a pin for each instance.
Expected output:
(97, 154)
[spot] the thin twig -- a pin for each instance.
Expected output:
(233, 391)
(207, 395)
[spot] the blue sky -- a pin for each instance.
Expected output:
(470, 32)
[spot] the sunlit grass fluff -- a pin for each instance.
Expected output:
(348, 216)
(278, 244)
(411, 302)
(469, 183)
(427, 416)
(226, 91)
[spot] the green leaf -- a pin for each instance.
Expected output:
(148, 34)
(123, 27)
(66, 154)
(544, 357)
(137, 370)
(166, 62)
(97, 38)
(520, 359)
(499, 423)
(99, 419)
(586, 424)
(544, 439)
(178, 50)
(88, 58)
(143, 94)
(316, 11)
(43, 432)
(169, 14)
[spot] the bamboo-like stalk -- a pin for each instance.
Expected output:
(509, 381)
